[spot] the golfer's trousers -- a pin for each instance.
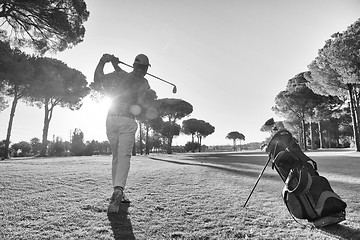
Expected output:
(121, 135)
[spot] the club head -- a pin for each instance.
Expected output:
(174, 89)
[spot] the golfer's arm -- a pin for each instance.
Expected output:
(116, 66)
(99, 71)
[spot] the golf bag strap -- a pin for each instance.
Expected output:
(302, 185)
(315, 164)
(274, 157)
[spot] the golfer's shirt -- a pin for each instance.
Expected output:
(126, 91)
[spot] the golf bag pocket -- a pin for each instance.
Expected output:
(327, 202)
(300, 206)
(310, 197)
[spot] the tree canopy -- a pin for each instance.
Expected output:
(235, 135)
(15, 72)
(174, 109)
(56, 84)
(336, 71)
(297, 102)
(44, 24)
(199, 128)
(171, 110)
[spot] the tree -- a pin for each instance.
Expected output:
(297, 102)
(191, 146)
(148, 115)
(104, 148)
(328, 108)
(77, 143)
(2, 150)
(35, 145)
(169, 130)
(234, 136)
(190, 127)
(198, 128)
(57, 148)
(44, 24)
(15, 70)
(55, 84)
(336, 71)
(3, 102)
(172, 109)
(205, 130)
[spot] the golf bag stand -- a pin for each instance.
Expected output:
(306, 194)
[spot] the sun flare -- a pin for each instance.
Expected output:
(98, 106)
(105, 103)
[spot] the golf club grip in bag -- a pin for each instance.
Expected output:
(306, 194)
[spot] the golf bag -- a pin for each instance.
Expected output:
(306, 194)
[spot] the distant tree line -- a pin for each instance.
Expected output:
(60, 148)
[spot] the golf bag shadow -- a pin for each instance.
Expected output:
(306, 194)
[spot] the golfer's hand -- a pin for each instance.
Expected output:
(107, 58)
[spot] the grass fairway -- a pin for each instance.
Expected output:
(188, 196)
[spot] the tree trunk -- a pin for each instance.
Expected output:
(49, 108)
(169, 151)
(320, 135)
(356, 108)
(43, 150)
(304, 133)
(200, 143)
(337, 135)
(234, 143)
(312, 136)
(11, 119)
(192, 143)
(147, 150)
(300, 138)
(354, 118)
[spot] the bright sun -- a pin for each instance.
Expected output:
(104, 103)
(99, 106)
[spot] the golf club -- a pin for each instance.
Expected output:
(118, 61)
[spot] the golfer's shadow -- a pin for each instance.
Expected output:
(121, 224)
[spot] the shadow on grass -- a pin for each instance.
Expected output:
(121, 223)
(226, 167)
(344, 232)
(244, 163)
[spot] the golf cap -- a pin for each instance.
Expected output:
(270, 122)
(142, 59)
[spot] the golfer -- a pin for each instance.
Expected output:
(127, 90)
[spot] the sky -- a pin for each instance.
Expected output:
(229, 59)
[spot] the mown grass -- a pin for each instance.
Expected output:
(66, 198)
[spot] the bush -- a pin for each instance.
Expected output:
(57, 148)
(189, 146)
(21, 149)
